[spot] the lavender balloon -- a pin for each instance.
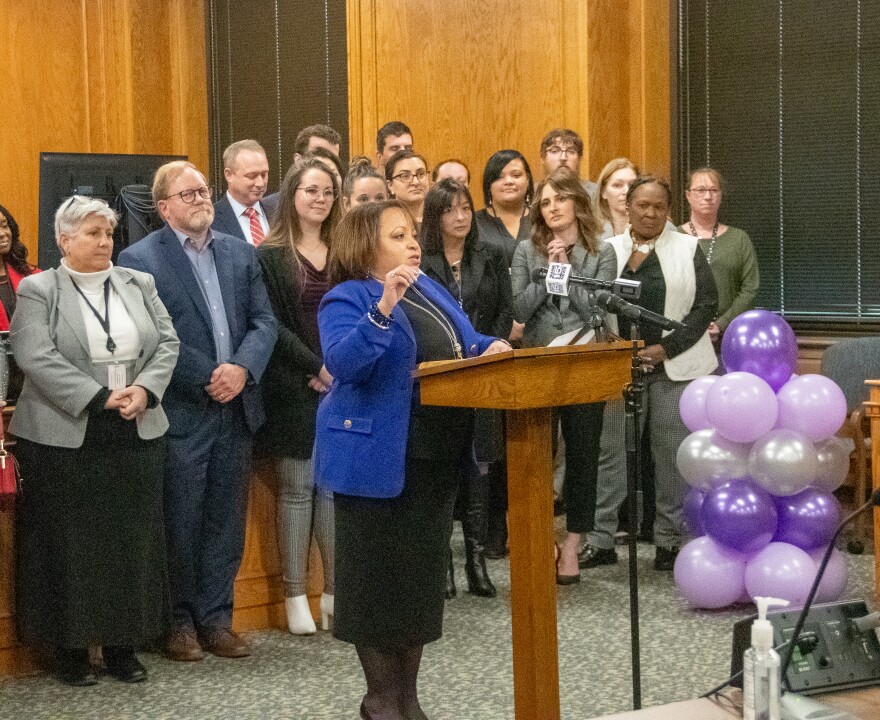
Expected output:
(741, 406)
(781, 570)
(705, 459)
(813, 405)
(832, 462)
(692, 404)
(761, 343)
(783, 462)
(807, 519)
(709, 575)
(833, 583)
(693, 523)
(740, 515)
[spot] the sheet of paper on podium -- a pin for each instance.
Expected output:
(575, 337)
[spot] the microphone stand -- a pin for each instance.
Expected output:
(633, 394)
(597, 323)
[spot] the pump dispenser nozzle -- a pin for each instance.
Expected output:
(762, 630)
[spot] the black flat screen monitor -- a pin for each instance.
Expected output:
(92, 174)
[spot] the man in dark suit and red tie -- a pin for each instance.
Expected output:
(212, 286)
(243, 212)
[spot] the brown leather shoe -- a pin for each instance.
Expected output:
(223, 642)
(183, 645)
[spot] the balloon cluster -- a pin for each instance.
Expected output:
(762, 462)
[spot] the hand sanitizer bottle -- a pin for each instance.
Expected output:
(761, 668)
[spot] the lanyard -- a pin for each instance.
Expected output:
(105, 321)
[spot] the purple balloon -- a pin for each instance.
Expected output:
(834, 580)
(741, 406)
(761, 343)
(813, 405)
(692, 404)
(709, 575)
(740, 515)
(693, 523)
(807, 519)
(782, 571)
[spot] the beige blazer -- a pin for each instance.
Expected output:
(49, 342)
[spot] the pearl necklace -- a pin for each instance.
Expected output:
(642, 247)
(714, 239)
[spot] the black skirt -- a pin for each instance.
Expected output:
(391, 559)
(92, 566)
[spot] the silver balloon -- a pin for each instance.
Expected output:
(832, 459)
(783, 462)
(706, 459)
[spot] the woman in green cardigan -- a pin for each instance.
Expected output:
(728, 250)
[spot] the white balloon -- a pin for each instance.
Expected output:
(832, 462)
(783, 462)
(707, 459)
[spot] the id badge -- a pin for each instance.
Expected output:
(116, 379)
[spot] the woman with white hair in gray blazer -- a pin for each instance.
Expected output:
(97, 349)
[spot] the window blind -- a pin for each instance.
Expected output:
(783, 98)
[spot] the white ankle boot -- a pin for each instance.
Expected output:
(327, 611)
(299, 615)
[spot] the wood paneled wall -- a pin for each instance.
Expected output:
(471, 78)
(109, 76)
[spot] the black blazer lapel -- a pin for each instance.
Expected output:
(472, 270)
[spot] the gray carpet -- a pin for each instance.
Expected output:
(465, 676)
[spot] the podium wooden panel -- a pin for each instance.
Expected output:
(527, 384)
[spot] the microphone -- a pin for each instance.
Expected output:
(539, 274)
(636, 313)
(802, 618)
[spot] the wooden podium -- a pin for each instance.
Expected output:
(528, 384)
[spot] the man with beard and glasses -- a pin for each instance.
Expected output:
(213, 288)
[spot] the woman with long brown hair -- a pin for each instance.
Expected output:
(564, 230)
(294, 261)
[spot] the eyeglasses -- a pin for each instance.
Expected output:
(315, 193)
(407, 176)
(567, 151)
(705, 191)
(189, 196)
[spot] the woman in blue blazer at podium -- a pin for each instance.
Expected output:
(391, 463)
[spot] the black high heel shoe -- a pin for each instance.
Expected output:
(564, 579)
(122, 663)
(72, 667)
(451, 590)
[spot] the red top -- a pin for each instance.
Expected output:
(14, 279)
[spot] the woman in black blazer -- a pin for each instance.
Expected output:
(294, 261)
(476, 274)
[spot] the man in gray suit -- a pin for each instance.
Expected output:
(242, 212)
